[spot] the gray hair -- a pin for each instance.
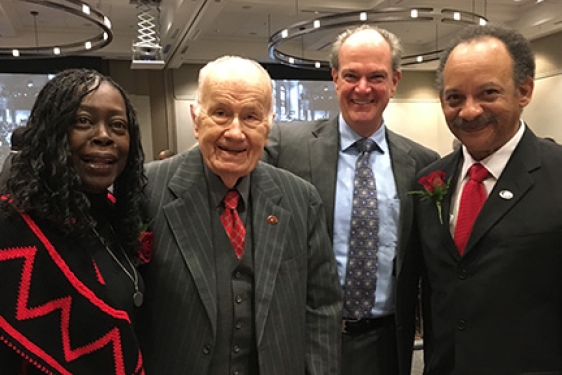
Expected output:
(226, 61)
(392, 40)
(518, 47)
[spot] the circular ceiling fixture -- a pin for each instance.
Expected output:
(374, 17)
(76, 8)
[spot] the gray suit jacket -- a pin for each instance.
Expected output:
(310, 150)
(296, 289)
(498, 308)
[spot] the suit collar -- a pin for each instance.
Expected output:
(190, 171)
(404, 170)
(189, 219)
(516, 178)
(348, 136)
(324, 148)
(326, 129)
(452, 170)
(270, 225)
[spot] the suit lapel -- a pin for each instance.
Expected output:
(323, 165)
(404, 170)
(268, 241)
(452, 170)
(516, 178)
(439, 231)
(189, 219)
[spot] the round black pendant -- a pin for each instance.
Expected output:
(138, 298)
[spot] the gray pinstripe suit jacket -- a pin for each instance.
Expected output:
(297, 293)
(310, 150)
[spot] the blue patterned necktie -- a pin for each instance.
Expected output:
(360, 281)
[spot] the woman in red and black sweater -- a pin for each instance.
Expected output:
(68, 248)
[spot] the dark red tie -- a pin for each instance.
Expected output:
(472, 199)
(233, 226)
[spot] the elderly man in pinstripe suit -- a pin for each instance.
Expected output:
(274, 307)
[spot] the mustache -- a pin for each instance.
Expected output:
(480, 121)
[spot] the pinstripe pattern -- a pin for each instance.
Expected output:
(310, 150)
(297, 294)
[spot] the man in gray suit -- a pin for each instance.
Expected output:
(268, 303)
(366, 71)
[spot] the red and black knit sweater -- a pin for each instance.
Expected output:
(55, 314)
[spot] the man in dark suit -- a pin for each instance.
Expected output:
(366, 71)
(492, 285)
(268, 303)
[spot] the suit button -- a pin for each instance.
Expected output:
(238, 299)
(238, 325)
(237, 274)
(207, 349)
(462, 273)
(461, 325)
(235, 348)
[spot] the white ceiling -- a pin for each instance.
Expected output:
(195, 31)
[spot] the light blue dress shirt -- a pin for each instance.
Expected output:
(389, 208)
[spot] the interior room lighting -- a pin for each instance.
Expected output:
(431, 16)
(77, 8)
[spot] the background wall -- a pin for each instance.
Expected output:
(544, 113)
(151, 95)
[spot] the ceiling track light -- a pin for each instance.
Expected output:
(376, 17)
(76, 8)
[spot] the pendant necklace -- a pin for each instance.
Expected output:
(138, 297)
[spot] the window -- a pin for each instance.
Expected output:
(299, 100)
(17, 95)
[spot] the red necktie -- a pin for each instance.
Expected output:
(472, 199)
(233, 226)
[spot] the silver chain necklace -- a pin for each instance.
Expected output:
(138, 297)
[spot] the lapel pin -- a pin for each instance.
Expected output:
(272, 220)
(506, 194)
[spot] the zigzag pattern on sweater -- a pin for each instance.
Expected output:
(63, 305)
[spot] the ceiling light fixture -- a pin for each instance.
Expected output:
(376, 17)
(76, 8)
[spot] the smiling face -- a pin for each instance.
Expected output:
(480, 101)
(232, 119)
(365, 81)
(99, 138)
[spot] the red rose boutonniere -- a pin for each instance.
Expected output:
(146, 241)
(435, 189)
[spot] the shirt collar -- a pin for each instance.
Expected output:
(218, 190)
(495, 163)
(348, 136)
